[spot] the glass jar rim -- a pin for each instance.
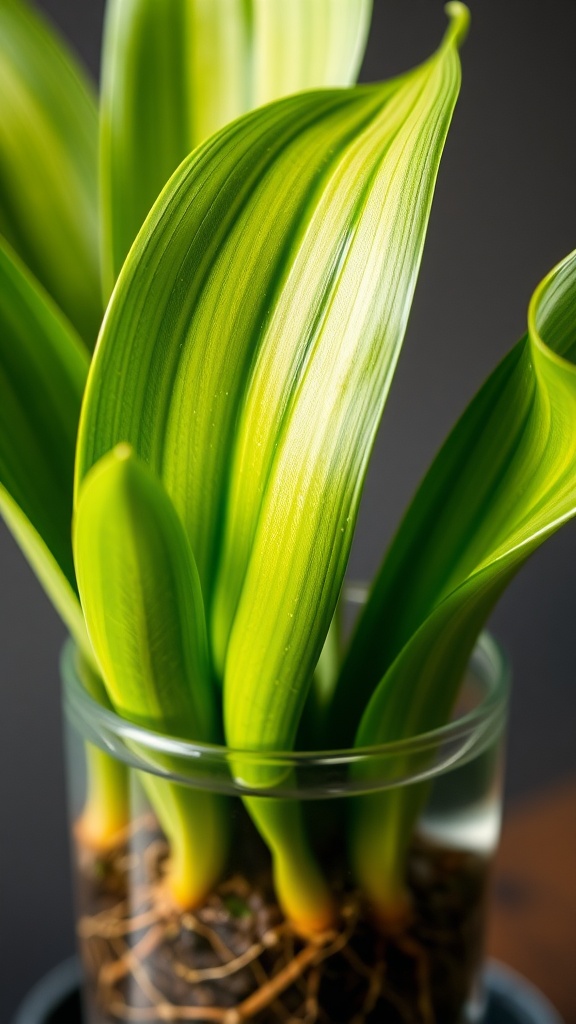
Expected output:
(460, 738)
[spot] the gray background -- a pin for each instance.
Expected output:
(504, 214)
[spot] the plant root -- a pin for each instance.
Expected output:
(236, 959)
(292, 968)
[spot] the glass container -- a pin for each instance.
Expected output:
(233, 955)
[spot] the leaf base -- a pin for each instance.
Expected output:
(237, 958)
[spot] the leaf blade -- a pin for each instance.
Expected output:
(169, 349)
(48, 164)
(462, 521)
(175, 74)
(504, 481)
(233, 223)
(43, 368)
(303, 529)
(143, 607)
(142, 600)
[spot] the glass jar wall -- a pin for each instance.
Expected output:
(190, 859)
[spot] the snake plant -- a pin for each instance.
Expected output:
(256, 304)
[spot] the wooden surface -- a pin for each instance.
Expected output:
(533, 914)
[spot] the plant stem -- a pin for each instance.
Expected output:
(379, 841)
(194, 823)
(106, 811)
(302, 891)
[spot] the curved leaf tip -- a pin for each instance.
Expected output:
(459, 15)
(503, 482)
(552, 314)
(255, 416)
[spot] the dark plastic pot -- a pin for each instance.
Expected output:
(55, 999)
(511, 1000)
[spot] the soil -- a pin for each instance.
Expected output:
(237, 959)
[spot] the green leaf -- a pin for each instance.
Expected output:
(315, 400)
(142, 601)
(48, 164)
(503, 482)
(246, 356)
(172, 352)
(243, 217)
(174, 73)
(143, 606)
(43, 368)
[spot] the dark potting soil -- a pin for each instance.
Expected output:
(237, 959)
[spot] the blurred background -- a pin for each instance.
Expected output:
(504, 214)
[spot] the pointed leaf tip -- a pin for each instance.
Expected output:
(141, 598)
(123, 451)
(459, 16)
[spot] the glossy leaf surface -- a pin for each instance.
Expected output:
(175, 72)
(276, 270)
(335, 336)
(503, 482)
(246, 356)
(141, 597)
(142, 601)
(48, 164)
